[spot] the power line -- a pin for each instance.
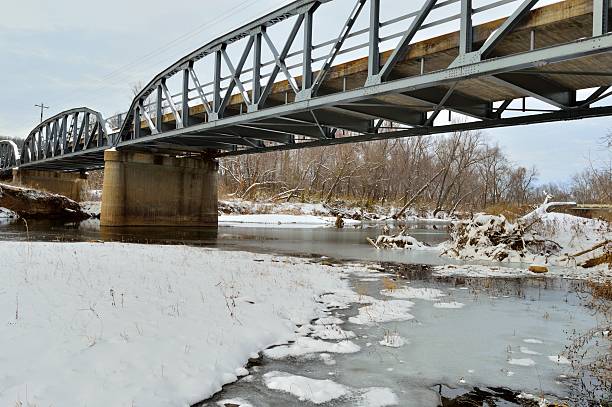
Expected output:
(187, 35)
(130, 67)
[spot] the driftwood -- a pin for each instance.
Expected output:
(33, 204)
(605, 258)
(418, 193)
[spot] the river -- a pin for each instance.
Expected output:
(501, 337)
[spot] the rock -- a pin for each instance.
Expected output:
(538, 269)
(32, 204)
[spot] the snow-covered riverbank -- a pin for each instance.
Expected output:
(122, 325)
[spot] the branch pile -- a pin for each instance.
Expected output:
(400, 241)
(540, 236)
(33, 204)
(495, 238)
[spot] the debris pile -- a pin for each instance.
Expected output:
(541, 236)
(494, 237)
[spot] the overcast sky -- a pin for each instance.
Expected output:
(70, 53)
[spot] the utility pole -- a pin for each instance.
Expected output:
(42, 109)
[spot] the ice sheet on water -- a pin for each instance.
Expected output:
(304, 388)
(428, 294)
(449, 305)
(304, 346)
(383, 311)
(522, 362)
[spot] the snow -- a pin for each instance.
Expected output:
(560, 359)
(522, 362)
(324, 391)
(449, 305)
(331, 332)
(428, 294)
(473, 270)
(392, 340)
(342, 299)
(399, 241)
(116, 325)
(329, 321)
(7, 214)
(383, 311)
(304, 388)
(277, 220)
(525, 350)
(305, 346)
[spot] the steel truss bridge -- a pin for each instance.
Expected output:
(273, 84)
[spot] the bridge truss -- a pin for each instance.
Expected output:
(76, 136)
(272, 85)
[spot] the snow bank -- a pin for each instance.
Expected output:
(348, 212)
(277, 220)
(119, 325)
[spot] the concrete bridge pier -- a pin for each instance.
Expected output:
(70, 184)
(144, 189)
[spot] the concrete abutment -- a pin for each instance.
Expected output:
(144, 189)
(70, 184)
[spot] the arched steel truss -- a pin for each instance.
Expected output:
(9, 155)
(67, 133)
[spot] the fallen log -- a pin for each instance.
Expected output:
(605, 258)
(33, 204)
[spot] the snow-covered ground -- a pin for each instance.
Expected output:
(134, 325)
(280, 220)
(243, 212)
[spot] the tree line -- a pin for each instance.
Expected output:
(460, 170)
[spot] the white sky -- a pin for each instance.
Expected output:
(70, 53)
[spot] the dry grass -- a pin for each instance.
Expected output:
(602, 291)
(389, 284)
(510, 211)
